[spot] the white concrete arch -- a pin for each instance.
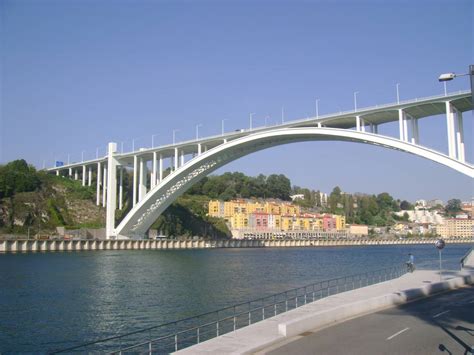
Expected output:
(144, 214)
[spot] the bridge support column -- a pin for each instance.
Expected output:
(142, 180)
(358, 123)
(362, 125)
(120, 201)
(89, 176)
(182, 158)
(76, 176)
(460, 137)
(450, 130)
(111, 190)
(153, 171)
(104, 187)
(57, 172)
(199, 149)
(135, 163)
(83, 175)
(161, 167)
(99, 171)
(319, 125)
(175, 159)
(70, 172)
(414, 130)
(402, 125)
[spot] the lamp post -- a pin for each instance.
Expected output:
(282, 114)
(251, 117)
(317, 108)
(222, 125)
(355, 100)
(197, 130)
(398, 92)
(174, 135)
(450, 76)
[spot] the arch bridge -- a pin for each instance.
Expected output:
(154, 188)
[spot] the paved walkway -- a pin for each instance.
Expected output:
(331, 310)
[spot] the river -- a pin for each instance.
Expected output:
(56, 300)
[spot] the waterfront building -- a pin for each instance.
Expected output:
(456, 227)
(258, 220)
(273, 214)
(239, 220)
(358, 229)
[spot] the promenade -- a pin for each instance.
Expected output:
(277, 332)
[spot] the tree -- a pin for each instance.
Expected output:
(334, 199)
(406, 206)
(18, 176)
(453, 206)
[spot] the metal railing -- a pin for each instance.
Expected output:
(170, 337)
(466, 257)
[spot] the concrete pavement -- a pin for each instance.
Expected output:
(444, 322)
(330, 311)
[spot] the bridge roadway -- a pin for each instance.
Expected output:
(320, 327)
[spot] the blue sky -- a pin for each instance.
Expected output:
(78, 74)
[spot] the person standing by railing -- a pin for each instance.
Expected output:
(411, 262)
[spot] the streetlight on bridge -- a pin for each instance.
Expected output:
(450, 76)
(174, 135)
(153, 140)
(355, 100)
(398, 92)
(251, 116)
(197, 130)
(222, 125)
(317, 108)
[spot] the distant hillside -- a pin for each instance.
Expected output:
(41, 201)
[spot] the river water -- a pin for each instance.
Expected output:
(56, 300)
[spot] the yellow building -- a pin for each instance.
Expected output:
(239, 220)
(216, 208)
(456, 227)
(273, 208)
(340, 222)
(281, 215)
(289, 209)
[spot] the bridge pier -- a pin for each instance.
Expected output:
(111, 190)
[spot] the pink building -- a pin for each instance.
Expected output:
(329, 222)
(258, 220)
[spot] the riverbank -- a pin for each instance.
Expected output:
(23, 246)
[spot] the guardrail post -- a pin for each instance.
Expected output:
(176, 342)
(217, 328)
(198, 335)
(263, 313)
(275, 312)
(250, 316)
(234, 322)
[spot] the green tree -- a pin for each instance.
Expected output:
(453, 206)
(406, 206)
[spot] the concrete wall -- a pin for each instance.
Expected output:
(78, 245)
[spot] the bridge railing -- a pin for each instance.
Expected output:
(170, 337)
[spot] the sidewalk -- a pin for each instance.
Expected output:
(331, 310)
